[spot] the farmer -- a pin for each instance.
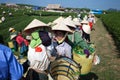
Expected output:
(38, 58)
(86, 30)
(63, 48)
(91, 20)
(10, 14)
(13, 33)
(10, 69)
(75, 39)
(2, 18)
(22, 44)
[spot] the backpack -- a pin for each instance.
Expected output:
(46, 40)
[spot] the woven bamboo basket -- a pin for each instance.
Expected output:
(64, 69)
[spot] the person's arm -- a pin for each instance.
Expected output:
(19, 40)
(68, 51)
(15, 68)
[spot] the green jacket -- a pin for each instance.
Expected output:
(76, 39)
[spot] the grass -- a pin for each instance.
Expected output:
(108, 69)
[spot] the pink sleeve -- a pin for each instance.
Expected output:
(19, 40)
(26, 42)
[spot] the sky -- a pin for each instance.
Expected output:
(91, 4)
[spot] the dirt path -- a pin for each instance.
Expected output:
(108, 69)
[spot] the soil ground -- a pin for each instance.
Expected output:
(108, 69)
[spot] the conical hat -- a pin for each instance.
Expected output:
(11, 28)
(85, 17)
(86, 29)
(13, 36)
(61, 27)
(84, 21)
(70, 17)
(35, 24)
(67, 21)
(58, 20)
(76, 21)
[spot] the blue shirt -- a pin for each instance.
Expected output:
(9, 67)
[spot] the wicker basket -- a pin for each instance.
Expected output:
(86, 63)
(64, 69)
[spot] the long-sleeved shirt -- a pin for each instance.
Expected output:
(9, 67)
(64, 49)
(77, 40)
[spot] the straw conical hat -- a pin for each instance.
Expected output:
(13, 36)
(35, 24)
(86, 29)
(85, 17)
(84, 21)
(67, 21)
(61, 27)
(76, 21)
(58, 20)
(50, 23)
(11, 28)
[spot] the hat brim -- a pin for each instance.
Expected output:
(84, 22)
(12, 36)
(61, 27)
(86, 29)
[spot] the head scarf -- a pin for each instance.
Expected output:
(36, 41)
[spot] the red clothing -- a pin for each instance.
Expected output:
(81, 27)
(20, 40)
(91, 25)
